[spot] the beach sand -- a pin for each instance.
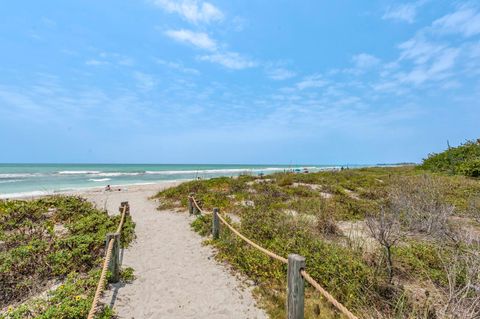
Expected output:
(176, 276)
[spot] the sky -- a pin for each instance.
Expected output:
(261, 82)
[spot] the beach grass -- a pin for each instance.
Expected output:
(323, 215)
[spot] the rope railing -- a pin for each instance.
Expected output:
(195, 203)
(101, 281)
(111, 239)
(327, 295)
(251, 243)
(294, 260)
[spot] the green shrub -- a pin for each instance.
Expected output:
(463, 159)
(301, 219)
(470, 168)
(202, 225)
(127, 275)
(53, 238)
(422, 260)
(71, 300)
(341, 271)
(284, 179)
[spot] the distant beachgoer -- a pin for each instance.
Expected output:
(108, 188)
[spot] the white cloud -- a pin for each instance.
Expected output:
(145, 81)
(419, 49)
(13, 98)
(238, 23)
(466, 21)
(95, 62)
(313, 81)
(198, 39)
(125, 61)
(192, 10)
(177, 66)
(445, 61)
(231, 60)
(280, 74)
(110, 58)
(437, 68)
(365, 61)
(403, 12)
(437, 59)
(49, 22)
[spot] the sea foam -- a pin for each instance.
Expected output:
(77, 172)
(115, 174)
(99, 179)
(17, 175)
(25, 194)
(218, 171)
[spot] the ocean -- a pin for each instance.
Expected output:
(18, 180)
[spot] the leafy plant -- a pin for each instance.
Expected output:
(53, 239)
(463, 159)
(127, 275)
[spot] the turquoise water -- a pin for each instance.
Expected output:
(37, 179)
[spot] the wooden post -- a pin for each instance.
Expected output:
(114, 265)
(196, 205)
(215, 224)
(296, 287)
(190, 203)
(120, 209)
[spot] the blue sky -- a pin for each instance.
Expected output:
(165, 81)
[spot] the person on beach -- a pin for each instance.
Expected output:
(108, 188)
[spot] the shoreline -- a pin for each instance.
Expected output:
(81, 190)
(37, 181)
(85, 191)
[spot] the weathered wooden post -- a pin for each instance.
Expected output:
(196, 206)
(122, 204)
(296, 287)
(215, 224)
(114, 265)
(127, 209)
(190, 203)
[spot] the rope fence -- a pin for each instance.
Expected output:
(296, 267)
(251, 243)
(112, 249)
(327, 295)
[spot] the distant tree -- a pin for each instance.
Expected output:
(463, 159)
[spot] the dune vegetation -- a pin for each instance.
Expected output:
(390, 242)
(51, 251)
(461, 160)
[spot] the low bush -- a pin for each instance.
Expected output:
(284, 179)
(470, 168)
(53, 239)
(300, 213)
(72, 299)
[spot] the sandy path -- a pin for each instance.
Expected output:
(177, 277)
